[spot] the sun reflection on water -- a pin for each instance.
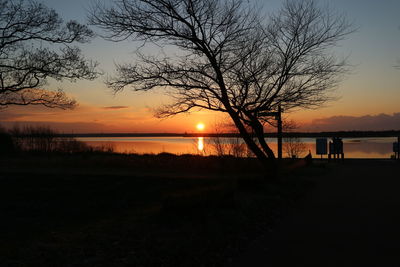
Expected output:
(200, 144)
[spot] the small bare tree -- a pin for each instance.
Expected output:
(35, 45)
(227, 146)
(293, 146)
(230, 59)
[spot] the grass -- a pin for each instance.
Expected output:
(148, 210)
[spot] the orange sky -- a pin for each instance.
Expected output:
(129, 119)
(100, 111)
(118, 119)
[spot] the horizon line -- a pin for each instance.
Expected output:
(352, 133)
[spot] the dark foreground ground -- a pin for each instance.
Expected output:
(115, 210)
(110, 210)
(350, 218)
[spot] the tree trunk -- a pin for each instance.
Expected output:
(259, 131)
(267, 162)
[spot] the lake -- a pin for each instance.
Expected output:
(380, 147)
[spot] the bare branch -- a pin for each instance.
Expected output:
(35, 46)
(232, 60)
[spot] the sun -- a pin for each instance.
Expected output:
(200, 126)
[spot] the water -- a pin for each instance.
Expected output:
(353, 147)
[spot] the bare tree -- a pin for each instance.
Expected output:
(35, 44)
(231, 59)
(293, 146)
(227, 146)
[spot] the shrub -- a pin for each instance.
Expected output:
(6, 143)
(43, 139)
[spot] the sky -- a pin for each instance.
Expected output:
(369, 95)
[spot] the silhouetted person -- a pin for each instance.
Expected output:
(308, 158)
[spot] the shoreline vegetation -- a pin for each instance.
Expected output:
(43, 139)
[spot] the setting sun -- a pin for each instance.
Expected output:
(200, 126)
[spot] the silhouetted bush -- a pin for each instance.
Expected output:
(37, 139)
(6, 143)
(293, 146)
(224, 146)
(43, 139)
(104, 148)
(71, 145)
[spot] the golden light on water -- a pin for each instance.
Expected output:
(200, 144)
(200, 126)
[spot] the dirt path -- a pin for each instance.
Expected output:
(352, 218)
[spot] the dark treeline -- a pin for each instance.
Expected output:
(43, 139)
(391, 133)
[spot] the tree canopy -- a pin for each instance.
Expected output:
(231, 58)
(35, 44)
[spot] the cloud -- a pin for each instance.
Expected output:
(378, 122)
(116, 107)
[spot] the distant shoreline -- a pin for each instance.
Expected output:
(350, 134)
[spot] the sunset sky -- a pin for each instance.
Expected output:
(369, 96)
